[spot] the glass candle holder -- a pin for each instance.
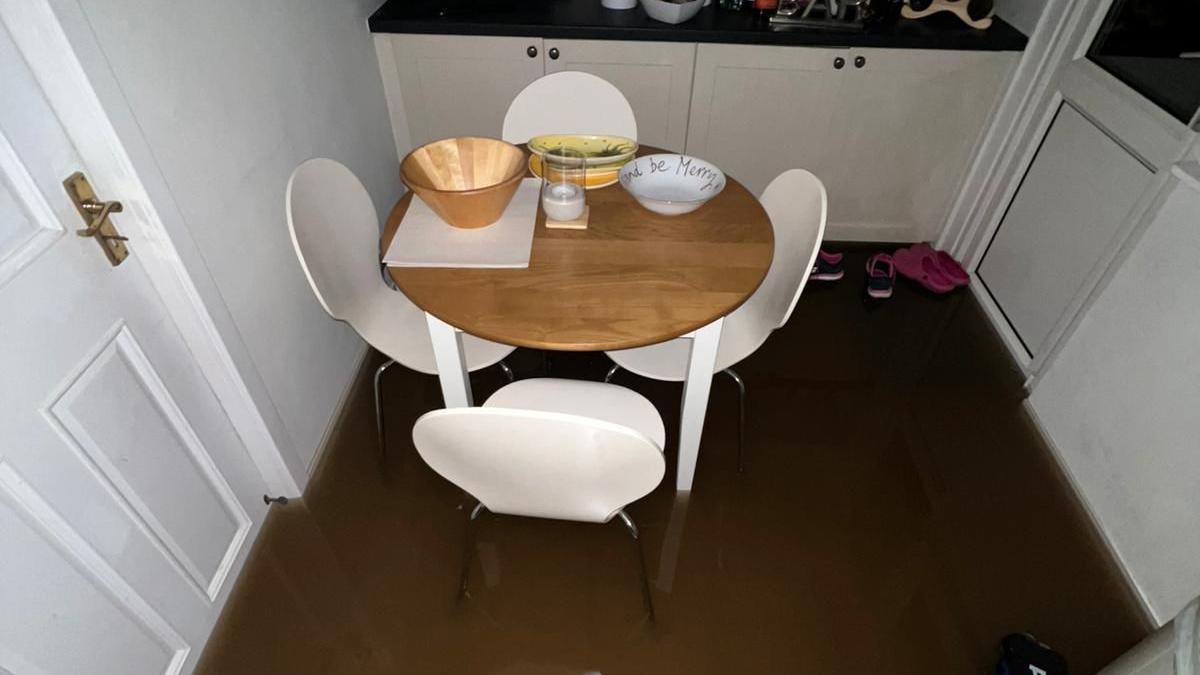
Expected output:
(563, 187)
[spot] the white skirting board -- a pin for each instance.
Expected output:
(360, 375)
(1097, 525)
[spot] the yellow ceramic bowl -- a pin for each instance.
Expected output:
(598, 151)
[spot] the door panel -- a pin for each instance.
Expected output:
(89, 595)
(127, 499)
(656, 77)
(119, 414)
(1073, 201)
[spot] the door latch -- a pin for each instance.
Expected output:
(95, 214)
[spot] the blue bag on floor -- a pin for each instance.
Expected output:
(1021, 654)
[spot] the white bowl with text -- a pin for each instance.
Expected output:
(671, 184)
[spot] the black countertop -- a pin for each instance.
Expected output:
(587, 20)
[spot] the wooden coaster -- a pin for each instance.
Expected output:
(579, 223)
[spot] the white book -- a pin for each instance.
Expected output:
(423, 239)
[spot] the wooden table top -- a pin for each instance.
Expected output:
(632, 278)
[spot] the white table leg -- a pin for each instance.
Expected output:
(451, 363)
(701, 361)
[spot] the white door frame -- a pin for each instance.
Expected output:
(39, 34)
(1060, 42)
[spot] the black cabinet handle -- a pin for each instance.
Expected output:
(839, 63)
(531, 51)
(553, 53)
(860, 61)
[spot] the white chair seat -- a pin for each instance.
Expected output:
(587, 399)
(402, 334)
(668, 360)
(796, 204)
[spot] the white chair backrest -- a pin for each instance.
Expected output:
(797, 204)
(335, 230)
(540, 464)
(569, 103)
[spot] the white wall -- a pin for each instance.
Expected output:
(1023, 14)
(217, 101)
(1121, 403)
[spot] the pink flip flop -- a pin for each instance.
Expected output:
(913, 263)
(945, 263)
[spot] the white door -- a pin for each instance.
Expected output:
(127, 500)
(1103, 152)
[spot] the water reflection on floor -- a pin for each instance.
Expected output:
(897, 515)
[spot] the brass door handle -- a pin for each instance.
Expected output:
(95, 214)
(99, 212)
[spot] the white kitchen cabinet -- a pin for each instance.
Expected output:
(656, 77)
(439, 86)
(758, 111)
(454, 85)
(907, 123)
(1073, 200)
(889, 131)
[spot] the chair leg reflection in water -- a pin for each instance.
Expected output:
(464, 576)
(380, 427)
(549, 448)
(741, 385)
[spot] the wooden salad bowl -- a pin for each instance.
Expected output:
(468, 181)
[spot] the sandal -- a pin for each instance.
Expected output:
(828, 267)
(881, 276)
(946, 264)
(915, 264)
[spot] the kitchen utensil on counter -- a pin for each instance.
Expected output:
(788, 7)
(563, 187)
(841, 15)
(975, 13)
(672, 12)
(672, 184)
(467, 181)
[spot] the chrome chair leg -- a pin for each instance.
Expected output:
(508, 372)
(468, 551)
(611, 371)
(741, 414)
(628, 522)
(379, 407)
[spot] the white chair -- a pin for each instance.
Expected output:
(550, 448)
(335, 230)
(568, 103)
(796, 204)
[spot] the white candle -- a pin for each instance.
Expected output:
(562, 201)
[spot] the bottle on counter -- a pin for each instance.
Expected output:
(765, 8)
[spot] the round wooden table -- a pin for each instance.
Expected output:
(632, 278)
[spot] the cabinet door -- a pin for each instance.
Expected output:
(908, 121)
(758, 111)
(1072, 202)
(450, 85)
(656, 77)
